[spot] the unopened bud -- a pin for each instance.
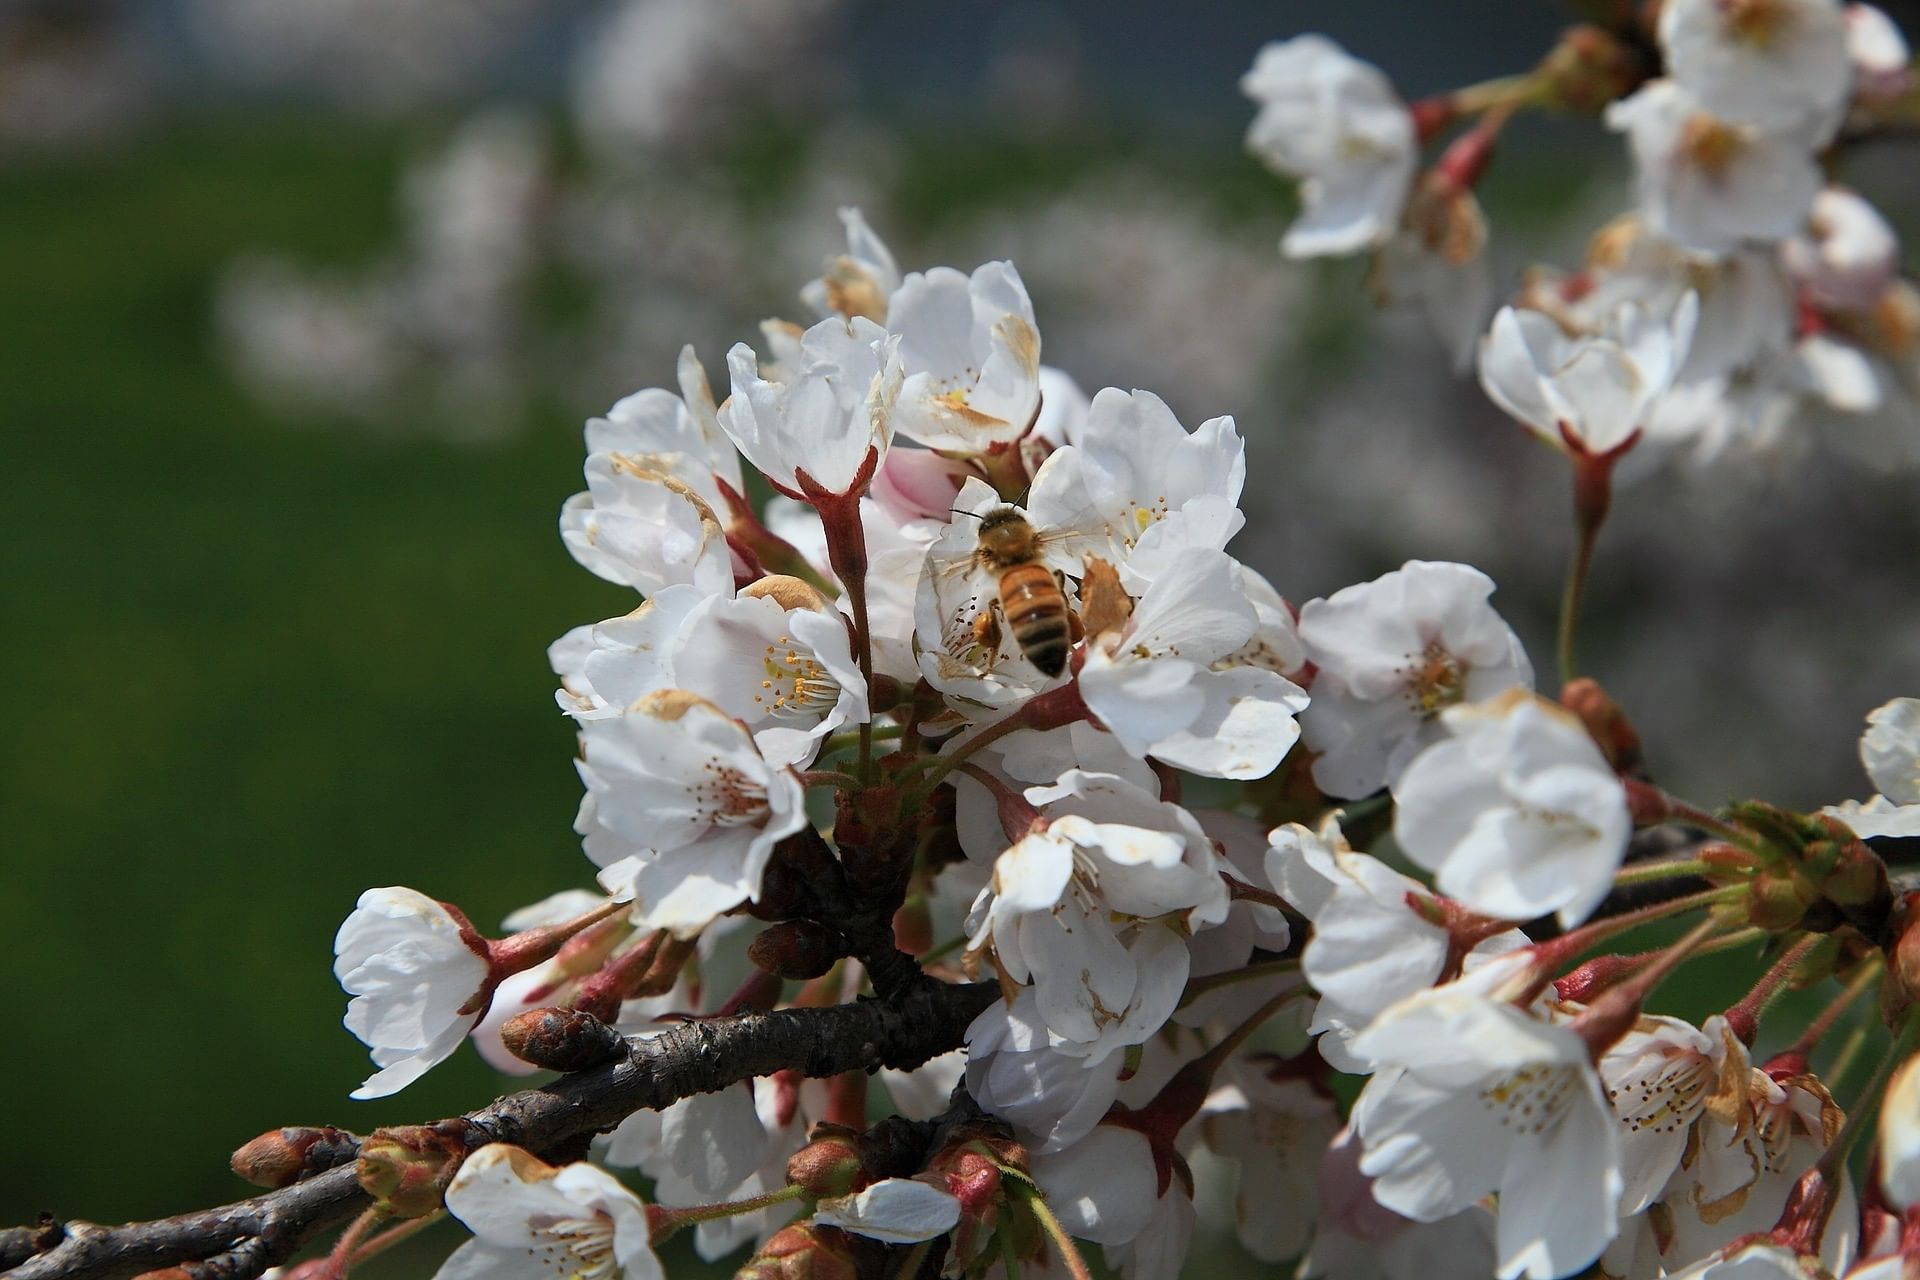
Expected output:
(830, 1165)
(281, 1157)
(1588, 69)
(803, 1252)
(913, 925)
(1606, 723)
(406, 1169)
(1583, 984)
(561, 1039)
(1901, 990)
(973, 1178)
(1856, 878)
(798, 949)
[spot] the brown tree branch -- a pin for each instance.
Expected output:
(241, 1240)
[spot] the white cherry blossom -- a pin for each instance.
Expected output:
(1052, 1097)
(1779, 64)
(1755, 1260)
(418, 976)
(923, 1093)
(644, 529)
(1393, 653)
(776, 658)
(1275, 1129)
(1369, 948)
(1847, 254)
(1890, 750)
(1882, 63)
(1710, 184)
(1660, 1078)
(1355, 1237)
(1474, 1096)
(829, 417)
(859, 281)
(1590, 393)
(1134, 466)
(1250, 925)
(1076, 908)
(1106, 1189)
(1161, 687)
(970, 353)
(672, 435)
(1517, 813)
(685, 1175)
(1336, 124)
(530, 1219)
(1748, 1151)
(682, 811)
(1900, 1137)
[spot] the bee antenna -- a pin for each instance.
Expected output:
(969, 514)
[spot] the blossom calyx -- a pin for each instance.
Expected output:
(803, 1252)
(1817, 860)
(406, 1169)
(281, 1157)
(561, 1039)
(798, 949)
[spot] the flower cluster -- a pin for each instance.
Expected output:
(943, 675)
(1789, 282)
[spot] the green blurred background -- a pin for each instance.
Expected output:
(262, 652)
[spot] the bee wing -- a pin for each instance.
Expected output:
(949, 566)
(1066, 545)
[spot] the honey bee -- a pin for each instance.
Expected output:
(1031, 597)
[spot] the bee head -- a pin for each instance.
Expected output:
(1006, 534)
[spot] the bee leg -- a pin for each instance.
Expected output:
(986, 629)
(1076, 630)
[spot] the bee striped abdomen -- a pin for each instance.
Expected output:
(1036, 613)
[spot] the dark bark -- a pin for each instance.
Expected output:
(239, 1241)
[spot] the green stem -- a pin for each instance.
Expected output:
(1849, 1054)
(1860, 1115)
(1506, 91)
(910, 1267)
(663, 1222)
(1654, 872)
(1197, 987)
(945, 763)
(1862, 982)
(1043, 1212)
(1570, 596)
(1598, 931)
(950, 945)
(387, 1239)
(842, 741)
(1008, 1258)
